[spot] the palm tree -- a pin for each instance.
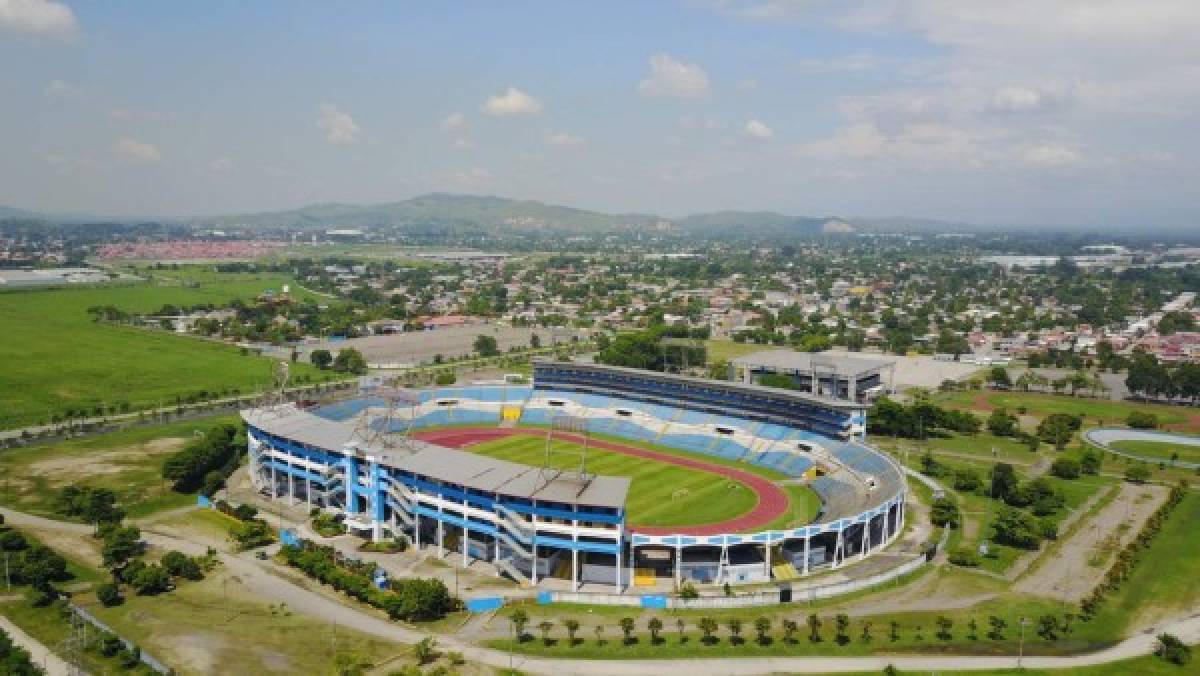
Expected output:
(626, 624)
(655, 625)
(519, 618)
(599, 630)
(545, 626)
(572, 626)
(680, 625)
(762, 626)
(707, 626)
(735, 629)
(814, 628)
(790, 627)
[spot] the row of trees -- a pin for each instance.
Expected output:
(411, 600)
(1049, 626)
(348, 360)
(918, 420)
(1128, 558)
(1152, 379)
(204, 463)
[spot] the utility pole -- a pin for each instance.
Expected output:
(1021, 645)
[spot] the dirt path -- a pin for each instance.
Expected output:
(39, 654)
(772, 500)
(1068, 576)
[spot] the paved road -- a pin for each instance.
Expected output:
(263, 577)
(1104, 437)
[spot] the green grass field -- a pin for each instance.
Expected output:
(1096, 412)
(55, 357)
(128, 462)
(1159, 449)
(660, 494)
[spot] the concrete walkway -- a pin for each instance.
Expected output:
(265, 578)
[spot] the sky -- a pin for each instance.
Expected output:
(1066, 113)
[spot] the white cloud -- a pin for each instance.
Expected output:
(922, 144)
(512, 102)
(463, 144)
(133, 150)
(1051, 155)
(759, 130)
(338, 126)
(220, 165)
(453, 121)
(670, 77)
(564, 139)
(39, 18)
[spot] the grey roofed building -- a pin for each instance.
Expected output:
(449, 465)
(848, 378)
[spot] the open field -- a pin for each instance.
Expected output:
(129, 462)
(56, 358)
(1159, 449)
(1096, 412)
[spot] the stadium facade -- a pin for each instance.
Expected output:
(534, 523)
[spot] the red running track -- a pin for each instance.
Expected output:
(772, 500)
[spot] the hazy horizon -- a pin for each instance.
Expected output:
(1074, 114)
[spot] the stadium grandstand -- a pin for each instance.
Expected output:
(376, 460)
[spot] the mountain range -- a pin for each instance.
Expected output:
(437, 212)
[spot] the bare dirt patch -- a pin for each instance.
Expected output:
(70, 468)
(1069, 576)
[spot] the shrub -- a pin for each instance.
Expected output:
(945, 513)
(1173, 650)
(1066, 468)
(964, 556)
(108, 594)
(1142, 421)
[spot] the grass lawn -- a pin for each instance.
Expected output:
(129, 462)
(1164, 582)
(728, 349)
(50, 626)
(660, 494)
(1095, 411)
(56, 358)
(1159, 449)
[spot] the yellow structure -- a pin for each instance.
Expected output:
(644, 577)
(510, 412)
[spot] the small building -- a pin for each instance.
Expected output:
(855, 379)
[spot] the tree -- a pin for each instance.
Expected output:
(627, 625)
(790, 627)
(350, 360)
(1065, 468)
(108, 594)
(1138, 473)
(814, 628)
(485, 346)
(655, 625)
(762, 627)
(1002, 424)
(967, 480)
(735, 629)
(120, 545)
(1017, 528)
(1142, 421)
(1089, 462)
(842, 622)
(1173, 650)
(150, 580)
(1004, 481)
(866, 632)
(680, 625)
(572, 626)
(320, 358)
(518, 618)
(1057, 429)
(944, 513)
(944, 624)
(179, 564)
(998, 376)
(545, 626)
(707, 626)
(425, 650)
(997, 624)
(535, 342)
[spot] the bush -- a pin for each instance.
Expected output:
(945, 513)
(964, 556)
(108, 594)
(1065, 468)
(151, 579)
(1142, 421)
(1173, 650)
(445, 378)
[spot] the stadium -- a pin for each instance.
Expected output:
(594, 476)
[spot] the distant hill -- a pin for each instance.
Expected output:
(444, 211)
(758, 222)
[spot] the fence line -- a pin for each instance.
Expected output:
(146, 658)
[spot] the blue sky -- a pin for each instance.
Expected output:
(1079, 113)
